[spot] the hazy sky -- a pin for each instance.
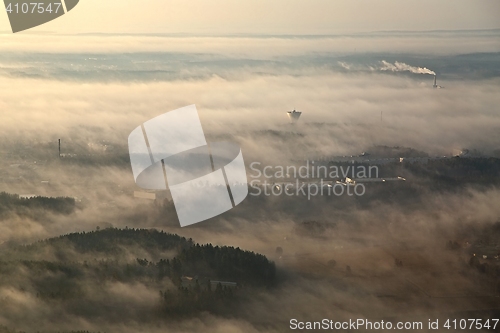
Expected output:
(272, 17)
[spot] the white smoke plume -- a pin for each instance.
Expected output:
(402, 67)
(344, 65)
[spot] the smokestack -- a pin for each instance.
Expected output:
(59, 148)
(435, 84)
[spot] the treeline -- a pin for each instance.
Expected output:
(221, 263)
(12, 203)
(205, 263)
(112, 241)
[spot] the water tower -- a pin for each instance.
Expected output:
(294, 116)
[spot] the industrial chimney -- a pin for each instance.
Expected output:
(59, 148)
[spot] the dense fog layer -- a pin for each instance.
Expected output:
(355, 92)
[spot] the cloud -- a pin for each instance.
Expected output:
(254, 46)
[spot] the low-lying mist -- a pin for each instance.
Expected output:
(403, 251)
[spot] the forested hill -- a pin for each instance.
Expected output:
(171, 255)
(109, 243)
(80, 270)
